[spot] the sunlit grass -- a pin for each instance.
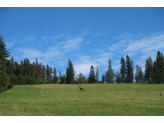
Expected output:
(96, 100)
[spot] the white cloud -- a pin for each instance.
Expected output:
(54, 37)
(44, 39)
(72, 44)
(83, 65)
(99, 33)
(9, 44)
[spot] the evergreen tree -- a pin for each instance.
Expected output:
(80, 81)
(91, 77)
(123, 70)
(109, 75)
(70, 73)
(156, 73)
(137, 74)
(141, 77)
(162, 67)
(63, 79)
(3, 46)
(12, 65)
(48, 74)
(129, 70)
(159, 66)
(97, 74)
(55, 78)
(103, 78)
(59, 76)
(4, 78)
(118, 77)
(43, 74)
(151, 72)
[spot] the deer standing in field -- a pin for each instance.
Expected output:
(81, 88)
(161, 94)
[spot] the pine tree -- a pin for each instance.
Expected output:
(129, 70)
(141, 77)
(123, 70)
(159, 64)
(150, 70)
(70, 73)
(3, 46)
(162, 67)
(137, 74)
(59, 76)
(43, 74)
(55, 78)
(80, 78)
(109, 75)
(48, 74)
(92, 78)
(97, 74)
(118, 77)
(156, 73)
(103, 78)
(4, 78)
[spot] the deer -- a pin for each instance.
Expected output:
(81, 88)
(161, 94)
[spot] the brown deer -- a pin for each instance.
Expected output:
(81, 88)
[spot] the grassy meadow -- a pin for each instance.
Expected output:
(96, 100)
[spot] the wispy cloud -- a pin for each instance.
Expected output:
(44, 39)
(83, 65)
(54, 37)
(9, 44)
(72, 44)
(99, 33)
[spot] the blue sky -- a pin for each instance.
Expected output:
(88, 36)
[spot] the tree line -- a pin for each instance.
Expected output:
(26, 73)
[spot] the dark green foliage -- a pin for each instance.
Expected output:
(103, 78)
(3, 76)
(63, 79)
(157, 73)
(129, 70)
(97, 74)
(80, 80)
(159, 67)
(109, 75)
(14, 79)
(43, 74)
(139, 75)
(162, 67)
(48, 74)
(3, 46)
(21, 80)
(123, 70)
(92, 78)
(60, 76)
(70, 73)
(55, 78)
(118, 77)
(149, 73)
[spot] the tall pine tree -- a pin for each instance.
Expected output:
(109, 75)
(92, 78)
(123, 70)
(70, 73)
(97, 74)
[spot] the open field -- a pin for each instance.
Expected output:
(96, 100)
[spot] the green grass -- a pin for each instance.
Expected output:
(96, 100)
